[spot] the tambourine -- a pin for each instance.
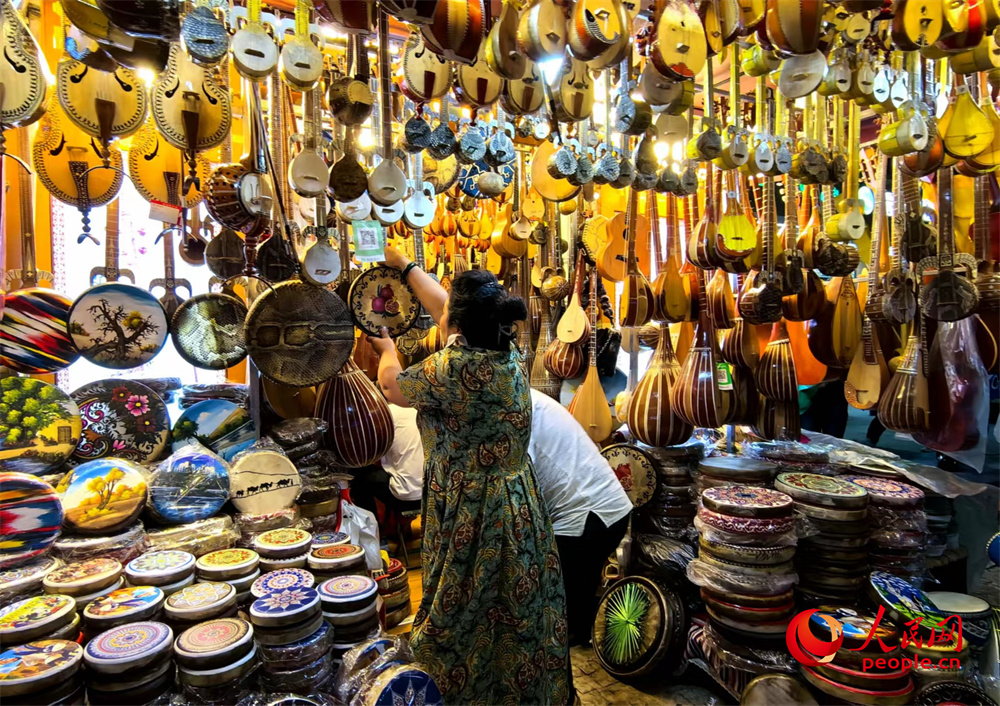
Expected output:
(380, 297)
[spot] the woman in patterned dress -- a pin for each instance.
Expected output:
(491, 626)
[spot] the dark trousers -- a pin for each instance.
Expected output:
(582, 559)
(369, 483)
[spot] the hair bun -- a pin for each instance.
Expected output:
(511, 309)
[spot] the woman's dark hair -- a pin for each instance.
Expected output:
(484, 311)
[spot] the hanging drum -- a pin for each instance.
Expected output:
(117, 325)
(360, 423)
(457, 30)
(208, 330)
(121, 418)
(380, 297)
(298, 334)
(634, 470)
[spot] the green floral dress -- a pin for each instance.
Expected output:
(491, 626)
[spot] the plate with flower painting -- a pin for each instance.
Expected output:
(39, 426)
(103, 496)
(634, 470)
(31, 517)
(121, 418)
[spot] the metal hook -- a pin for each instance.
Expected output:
(21, 162)
(167, 230)
(114, 169)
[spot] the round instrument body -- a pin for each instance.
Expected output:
(285, 606)
(26, 579)
(952, 692)
(886, 491)
(828, 491)
(38, 666)
(220, 425)
(36, 616)
(305, 631)
(207, 330)
(298, 334)
(857, 695)
(282, 543)
(746, 525)
(118, 326)
(83, 577)
(214, 643)
(398, 683)
(747, 501)
(737, 469)
(200, 601)
(263, 482)
(771, 689)
(160, 568)
(633, 627)
(123, 605)
(34, 333)
(743, 554)
(330, 539)
(121, 418)
(128, 647)
(103, 496)
(902, 601)
(227, 564)
(32, 518)
(225, 674)
(190, 486)
(634, 469)
(348, 594)
(337, 559)
(280, 580)
(381, 298)
(29, 449)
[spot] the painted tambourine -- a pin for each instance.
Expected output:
(103, 496)
(886, 491)
(118, 325)
(380, 297)
(208, 330)
(468, 177)
(121, 418)
(41, 441)
(634, 470)
(404, 683)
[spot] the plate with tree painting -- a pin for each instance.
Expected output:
(102, 496)
(39, 426)
(224, 427)
(118, 325)
(121, 418)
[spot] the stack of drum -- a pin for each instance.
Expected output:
(394, 588)
(338, 560)
(832, 558)
(718, 471)
(744, 568)
(215, 655)
(350, 606)
(236, 567)
(169, 570)
(302, 441)
(26, 580)
(671, 509)
(86, 580)
(45, 617)
(130, 664)
(42, 672)
(200, 602)
(882, 679)
(125, 605)
(898, 525)
(285, 548)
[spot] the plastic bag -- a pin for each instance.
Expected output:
(661, 558)
(361, 525)
(191, 484)
(304, 680)
(295, 432)
(124, 546)
(723, 581)
(785, 539)
(255, 524)
(199, 538)
(297, 654)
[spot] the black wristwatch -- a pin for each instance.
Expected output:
(406, 270)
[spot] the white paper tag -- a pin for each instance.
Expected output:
(164, 212)
(369, 241)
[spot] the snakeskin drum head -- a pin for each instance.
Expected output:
(208, 330)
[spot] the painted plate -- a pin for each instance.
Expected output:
(263, 482)
(103, 496)
(347, 588)
(37, 665)
(160, 568)
(222, 426)
(886, 491)
(634, 469)
(747, 501)
(327, 539)
(83, 576)
(31, 517)
(280, 580)
(404, 683)
(379, 297)
(631, 628)
(28, 577)
(121, 418)
(189, 486)
(214, 636)
(136, 602)
(33, 332)
(128, 643)
(40, 426)
(118, 325)
(815, 489)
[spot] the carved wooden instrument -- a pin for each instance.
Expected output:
(426, 75)
(204, 35)
(810, 300)
(671, 290)
(740, 344)
(637, 296)
(477, 85)
(169, 283)
(387, 182)
(255, 55)
(457, 31)
(361, 429)
(157, 169)
(590, 405)
(574, 324)
(542, 32)
(502, 53)
(22, 92)
(650, 416)
(542, 379)
(775, 375)
(987, 278)
(680, 50)
(301, 62)
(524, 95)
(905, 404)
(794, 27)
(761, 302)
(594, 28)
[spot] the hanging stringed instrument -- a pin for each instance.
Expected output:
(24, 77)
(905, 405)
(650, 416)
(360, 429)
(811, 300)
(671, 290)
(740, 344)
(988, 276)
(775, 375)
(542, 379)
(590, 405)
(574, 323)
(637, 296)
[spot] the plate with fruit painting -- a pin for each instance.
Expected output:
(380, 297)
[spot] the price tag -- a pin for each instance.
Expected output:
(164, 212)
(369, 241)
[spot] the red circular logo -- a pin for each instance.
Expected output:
(806, 647)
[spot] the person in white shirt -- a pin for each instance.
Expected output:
(399, 480)
(588, 507)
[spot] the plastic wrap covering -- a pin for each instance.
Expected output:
(785, 539)
(300, 681)
(724, 581)
(661, 558)
(670, 527)
(199, 538)
(325, 523)
(314, 699)
(295, 432)
(224, 694)
(198, 392)
(733, 665)
(792, 456)
(297, 654)
(902, 520)
(760, 528)
(26, 580)
(700, 482)
(191, 484)
(355, 664)
(124, 546)
(255, 524)
(319, 485)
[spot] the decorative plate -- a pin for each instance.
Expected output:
(631, 627)
(953, 693)
(125, 602)
(886, 491)
(347, 588)
(634, 469)
(904, 601)
(214, 636)
(327, 539)
(121, 418)
(31, 517)
(280, 580)
(160, 567)
(40, 426)
(229, 560)
(97, 572)
(37, 615)
(103, 496)
(468, 177)
(33, 332)
(747, 501)
(188, 487)
(37, 665)
(118, 325)
(28, 577)
(198, 596)
(737, 469)
(822, 490)
(286, 541)
(287, 604)
(746, 525)
(379, 297)
(128, 643)
(263, 482)
(404, 683)
(219, 425)
(336, 555)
